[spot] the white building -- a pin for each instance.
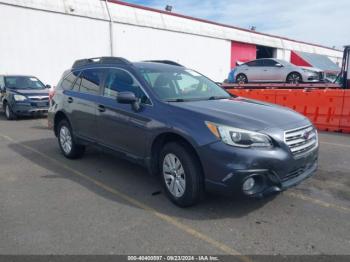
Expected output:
(44, 37)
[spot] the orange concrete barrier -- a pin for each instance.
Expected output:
(322, 107)
(267, 95)
(328, 109)
(345, 118)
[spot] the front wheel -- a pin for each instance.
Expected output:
(294, 78)
(181, 175)
(8, 112)
(68, 146)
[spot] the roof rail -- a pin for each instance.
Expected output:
(100, 60)
(168, 62)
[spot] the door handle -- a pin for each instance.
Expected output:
(70, 100)
(101, 108)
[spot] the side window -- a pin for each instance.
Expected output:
(67, 83)
(119, 80)
(2, 83)
(269, 62)
(90, 81)
(77, 83)
(251, 63)
(259, 62)
(255, 63)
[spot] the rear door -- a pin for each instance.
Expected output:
(253, 71)
(271, 72)
(81, 102)
(120, 127)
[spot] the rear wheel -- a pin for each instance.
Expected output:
(8, 112)
(241, 79)
(294, 78)
(68, 145)
(181, 175)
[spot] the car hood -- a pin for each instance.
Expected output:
(245, 113)
(315, 69)
(31, 92)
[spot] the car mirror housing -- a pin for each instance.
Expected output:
(48, 86)
(279, 65)
(126, 97)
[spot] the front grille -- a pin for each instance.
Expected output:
(301, 140)
(39, 98)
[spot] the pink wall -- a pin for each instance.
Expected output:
(242, 52)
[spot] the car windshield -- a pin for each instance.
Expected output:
(178, 84)
(23, 82)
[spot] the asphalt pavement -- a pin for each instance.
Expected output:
(101, 204)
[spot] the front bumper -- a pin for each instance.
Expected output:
(226, 168)
(30, 108)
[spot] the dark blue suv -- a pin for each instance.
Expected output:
(23, 96)
(183, 127)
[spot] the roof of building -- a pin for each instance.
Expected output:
(319, 61)
(211, 22)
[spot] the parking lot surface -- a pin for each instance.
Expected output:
(101, 204)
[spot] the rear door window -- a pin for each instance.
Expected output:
(255, 63)
(269, 62)
(91, 80)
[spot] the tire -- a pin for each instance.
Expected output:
(8, 112)
(182, 180)
(241, 79)
(69, 147)
(294, 78)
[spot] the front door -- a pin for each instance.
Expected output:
(120, 127)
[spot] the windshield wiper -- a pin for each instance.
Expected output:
(217, 97)
(176, 100)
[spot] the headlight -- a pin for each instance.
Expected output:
(239, 137)
(309, 71)
(19, 98)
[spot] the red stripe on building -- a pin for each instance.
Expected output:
(298, 60)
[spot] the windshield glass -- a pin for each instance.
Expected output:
(180, 84)
(23, 82)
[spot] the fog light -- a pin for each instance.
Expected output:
(248, 184)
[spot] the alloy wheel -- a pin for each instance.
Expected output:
(65, 139)
(174, 175)
(294, 78)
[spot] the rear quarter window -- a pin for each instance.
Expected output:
(68, 82)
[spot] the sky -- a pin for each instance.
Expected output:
(323, 22)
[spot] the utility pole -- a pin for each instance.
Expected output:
(111, 42)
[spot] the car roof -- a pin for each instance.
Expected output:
(18, 76)
(150, 65)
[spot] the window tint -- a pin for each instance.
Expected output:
(77, 83)
(268, 62)
(2, 82)
(90, 81)
(255, 63)
(68, 82)
(119, 80)
(173, 83)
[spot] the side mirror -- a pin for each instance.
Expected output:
(129, 98)
(278, 65)
(126, 97)
(48, 86)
